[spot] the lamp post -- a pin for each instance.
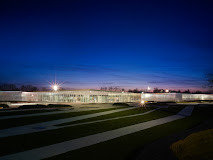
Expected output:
(55, 87)
(148, 89)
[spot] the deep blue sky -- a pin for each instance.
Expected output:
(88, 44)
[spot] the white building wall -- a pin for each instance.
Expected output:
(175, 97)
(10, 96)
(95, 96)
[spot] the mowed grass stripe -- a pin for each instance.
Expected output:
(39, 139)
(170, 109)
(14, 122)
(126, 147)
(2, 113)
(108, 116)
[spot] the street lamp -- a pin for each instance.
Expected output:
(142, 102)
(55, 87)
(148, 88)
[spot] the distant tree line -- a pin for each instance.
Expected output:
(30, 88)
(156, 90)
(26, 88)
(135, 90)
(13, 87)
(111, 88)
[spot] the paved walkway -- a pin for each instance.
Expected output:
(187, 111)
(63, 147)
(37, 127)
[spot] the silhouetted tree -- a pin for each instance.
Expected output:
(28, 88)
(130, 90)
(8, 87)
(156, 90)
(104, 88)
(44, 89)
(173, 91)
(162, 91)
(187, 91)
(136, 90)
(198, 92)
(111, 88)
(210, 80)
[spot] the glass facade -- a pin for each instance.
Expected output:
(88, 96)
(97, 96)
(174, 97)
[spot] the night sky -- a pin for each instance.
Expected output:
(89, 44)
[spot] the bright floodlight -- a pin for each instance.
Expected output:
(55, 87)
(142, 102)
(167, 90)
(148, 88)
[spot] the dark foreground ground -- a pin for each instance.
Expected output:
(160, 149)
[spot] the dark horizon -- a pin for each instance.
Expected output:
(93, 44)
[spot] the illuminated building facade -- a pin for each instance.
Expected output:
(97, 96)
(75, 96)
(174, 97)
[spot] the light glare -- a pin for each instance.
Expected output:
(148, 88)
(55, 87)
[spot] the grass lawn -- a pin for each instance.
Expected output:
(14, 122)
(112, 115)
(39, 139)
(2, 113)
(170, 109)
(196, 146)
(125, 147)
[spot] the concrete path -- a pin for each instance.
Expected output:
(187, 111)
(37, 127)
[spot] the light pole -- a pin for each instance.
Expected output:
(55, 87)
(148, 88)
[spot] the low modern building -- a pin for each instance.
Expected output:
(174, 97)
(74, 96)
(96, 96)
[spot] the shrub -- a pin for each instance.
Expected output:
(121, 104)
(196, 146)
(58, 105)
(4, 105)
(32, 106)
(43, 106)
